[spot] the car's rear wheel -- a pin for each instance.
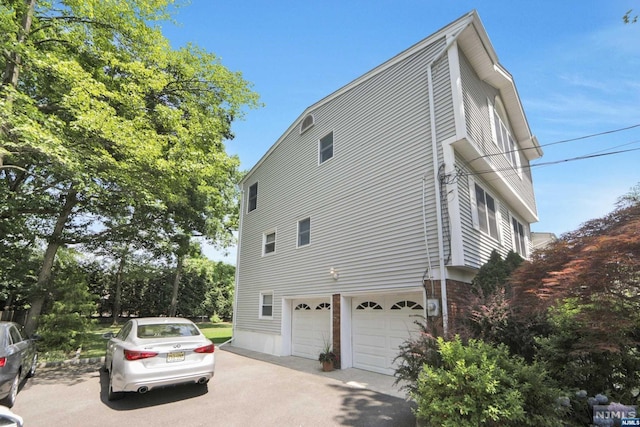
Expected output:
(10, 400)
(34, 366)
(113, 395)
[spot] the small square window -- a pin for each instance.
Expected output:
(326, 148)
(253, 197)
(266, 305)
(304, 232)
(269, 242)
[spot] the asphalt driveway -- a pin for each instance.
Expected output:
(244, 392)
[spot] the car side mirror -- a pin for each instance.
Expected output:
(108, 335)
(35, 337)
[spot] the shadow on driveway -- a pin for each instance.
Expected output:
(160, 396)
(361, 407)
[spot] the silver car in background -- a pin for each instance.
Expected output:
(153, 352)
(18, 360)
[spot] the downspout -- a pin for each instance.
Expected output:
(436, 180)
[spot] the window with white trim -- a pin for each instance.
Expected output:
(253, 198)
(266, 305)
(269, 242)
(485, 210)
(519, 237)
(307, 123)
(304, 232)
(325, 148)
(502, 136)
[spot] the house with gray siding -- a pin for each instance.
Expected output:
(382, 200)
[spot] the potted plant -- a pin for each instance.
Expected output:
(327, 358)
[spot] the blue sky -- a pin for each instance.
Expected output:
(576, 67)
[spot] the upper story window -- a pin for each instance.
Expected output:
(519, 239)
(485, 211)
(325, 148)
(253, 197)
(266, 305)
(269, 242)
(502, 136)
(308, 122)
(304, 232)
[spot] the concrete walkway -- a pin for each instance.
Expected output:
(356, 378)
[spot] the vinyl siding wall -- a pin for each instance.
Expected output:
(478, 245)
(477, 95)
(364, 203)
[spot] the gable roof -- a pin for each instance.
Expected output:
(471, 37)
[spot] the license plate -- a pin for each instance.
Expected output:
(176, 356)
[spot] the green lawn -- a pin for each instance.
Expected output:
(94, 345)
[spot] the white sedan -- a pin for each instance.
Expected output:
(156, 352)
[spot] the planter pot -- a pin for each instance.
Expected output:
(327, 366)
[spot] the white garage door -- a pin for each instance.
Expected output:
(311, 327)
(380, 324)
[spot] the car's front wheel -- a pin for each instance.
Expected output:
(113, 395)
(10, 400)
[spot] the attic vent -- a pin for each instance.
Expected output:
(306, 123)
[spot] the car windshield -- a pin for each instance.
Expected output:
(167, 330)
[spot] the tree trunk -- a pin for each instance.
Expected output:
(117, 302)
(176, 286)
(44, 277)
(7, 307)
(12, 70)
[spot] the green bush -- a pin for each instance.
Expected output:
(481, 385)
(420, 349)
(62, 330)
(597, 366)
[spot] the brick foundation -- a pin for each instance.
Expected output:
(335, 305)
(458, 296)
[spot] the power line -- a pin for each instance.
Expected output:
(591, 135)
(530, 166)
(563, 141)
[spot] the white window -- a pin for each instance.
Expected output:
(253, 197)
(266, 305)
(519, 238)
(304, 232)
(325, 148)
(502, 136)
(307, 123)
(269, 242)
(485, 210)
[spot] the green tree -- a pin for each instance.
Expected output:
(587, 286)
(494, 273)
(69, 306)
(629, 18)
(214, 280)
(100, 116)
